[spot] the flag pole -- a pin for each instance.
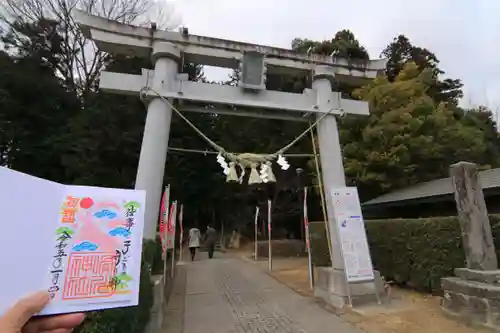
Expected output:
(256, 227)
(174, 220)
(167, 227)
(164, 230)
(270, 260)
(181, 230)
(308, 242)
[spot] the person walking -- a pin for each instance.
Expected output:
(210, 240)
(194, 241)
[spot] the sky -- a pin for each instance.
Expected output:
(464, 34)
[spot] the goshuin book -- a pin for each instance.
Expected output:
(81, 244)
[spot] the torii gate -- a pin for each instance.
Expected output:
(166, 50)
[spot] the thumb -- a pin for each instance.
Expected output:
(23, 310)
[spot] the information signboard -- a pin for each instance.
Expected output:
(352, 234)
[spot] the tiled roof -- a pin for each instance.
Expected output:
(488, 178)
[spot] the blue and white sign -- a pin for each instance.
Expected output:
(352, 234)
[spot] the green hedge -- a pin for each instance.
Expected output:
(416, 253)
(130, 319)
(281, 248)
(320, 255)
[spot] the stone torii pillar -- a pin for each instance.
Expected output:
(330, 152)
(165, 57)
(331, 284)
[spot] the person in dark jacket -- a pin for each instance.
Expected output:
(210, 240)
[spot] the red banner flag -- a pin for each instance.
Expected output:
(180, 219)
(164, 212)
(171, 226)
(162, 215)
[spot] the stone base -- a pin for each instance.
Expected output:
(330, 286)
(469, 299)
(157, 310)
(490, 277)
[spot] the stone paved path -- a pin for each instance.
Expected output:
(228, 295)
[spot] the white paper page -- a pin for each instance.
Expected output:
(29, 216)
(99, 236)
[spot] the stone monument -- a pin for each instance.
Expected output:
(473, 295)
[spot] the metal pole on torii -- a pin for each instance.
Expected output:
(166, 50)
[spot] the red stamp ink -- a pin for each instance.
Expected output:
(90, 275)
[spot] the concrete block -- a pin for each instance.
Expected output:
(471, 302)
(161, 294)
(158, 309)
(471, 288)
(478, 310)
(490, 277)
(455, 302)
(331, 287)
(494, 319)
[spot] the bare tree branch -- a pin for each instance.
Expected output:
(81, 61)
